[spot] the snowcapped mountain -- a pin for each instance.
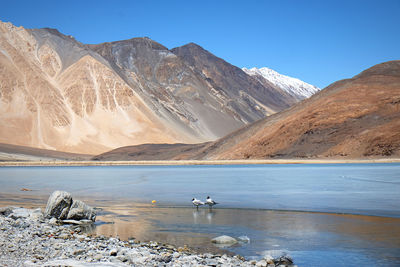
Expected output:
(293, 86)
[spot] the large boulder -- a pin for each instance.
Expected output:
(80, 211)
(58, 205)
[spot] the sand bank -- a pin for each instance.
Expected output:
(195, 162)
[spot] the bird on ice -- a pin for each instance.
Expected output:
(197, 202)
(210, 202)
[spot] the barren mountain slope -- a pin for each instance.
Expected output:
(58, 94)
(183, 95)
(354, 118)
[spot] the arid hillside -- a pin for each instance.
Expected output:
(353, 118)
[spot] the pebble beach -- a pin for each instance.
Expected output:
(27, 238)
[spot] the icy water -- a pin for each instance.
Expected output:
(322, 215)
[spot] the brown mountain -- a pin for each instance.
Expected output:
(353, 118)
(57, 93)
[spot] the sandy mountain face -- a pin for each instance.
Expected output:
(57, 93)
(295, 87)
(354, 118)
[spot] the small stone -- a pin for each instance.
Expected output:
(53, 221)
(74, 222)
(284, 260)
(78, 252)
(243, 239)
(261, 263)
(176, 255)
(224, 239)
(36, 215)
(63, 236)
(269, 259)
(123, 258)
(97, 257)
(167, 257)
(20, 213)
(80, 237)
(211, 262)
(5, 211)
(113, 252)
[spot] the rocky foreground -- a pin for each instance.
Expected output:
(33, 238)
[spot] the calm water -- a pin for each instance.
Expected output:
(276, 206)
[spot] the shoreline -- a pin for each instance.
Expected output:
(28, 238)
(194, 162)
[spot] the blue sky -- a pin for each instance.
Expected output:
(317, 41)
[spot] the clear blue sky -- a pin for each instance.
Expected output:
(317, 41)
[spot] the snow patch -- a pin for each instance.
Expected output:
(291, 85)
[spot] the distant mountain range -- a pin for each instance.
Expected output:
(353, 118)
(58, 93)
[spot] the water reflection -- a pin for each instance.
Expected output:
(210, 216)
(198, 216)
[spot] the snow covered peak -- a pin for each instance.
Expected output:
(291, 85)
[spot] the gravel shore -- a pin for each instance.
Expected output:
(29, 239)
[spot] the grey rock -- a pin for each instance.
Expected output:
(80, 237)
(224, 239)
(58, 205)
(261, 263)
(75, 222)
(243, 239)
(76, 263)
(80, 211)
(123, 258)
(98, 257)
(5, 211)
(36, 215)
(167, 257)
(78, 252)
(113, 252)
(20, 213)
(284, 260)
(211, 262)
(53, 221)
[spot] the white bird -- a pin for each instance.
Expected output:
(210, 202)
(197, 202)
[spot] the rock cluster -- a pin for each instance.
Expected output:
(61, 206)
(28, 238)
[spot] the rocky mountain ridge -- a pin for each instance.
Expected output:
(57, 93)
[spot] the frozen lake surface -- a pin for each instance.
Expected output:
(277, 206)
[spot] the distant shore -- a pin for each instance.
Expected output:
(194, 162)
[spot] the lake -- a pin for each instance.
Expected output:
(320, 214)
